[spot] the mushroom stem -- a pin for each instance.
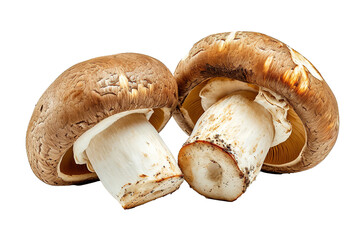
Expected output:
(133, 162)
(227, 147)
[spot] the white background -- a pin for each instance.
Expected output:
(41, 39)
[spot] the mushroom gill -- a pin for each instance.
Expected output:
(284, 153)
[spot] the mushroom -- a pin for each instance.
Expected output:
(249, 103)
(100, 120)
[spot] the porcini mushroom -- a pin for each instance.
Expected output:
(250, 102)
(100, 119)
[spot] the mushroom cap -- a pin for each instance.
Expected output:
(261, 60)
(84, 95)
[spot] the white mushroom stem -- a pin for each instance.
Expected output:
(133, 162)
(227, 147)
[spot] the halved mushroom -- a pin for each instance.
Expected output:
(100, 119)
(250, 102)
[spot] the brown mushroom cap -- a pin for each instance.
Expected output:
(87, 93)
(258, 59)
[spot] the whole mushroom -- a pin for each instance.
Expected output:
(100, 119)
(250, 102)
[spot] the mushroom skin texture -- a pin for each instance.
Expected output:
(257, 64)
(84, 102)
